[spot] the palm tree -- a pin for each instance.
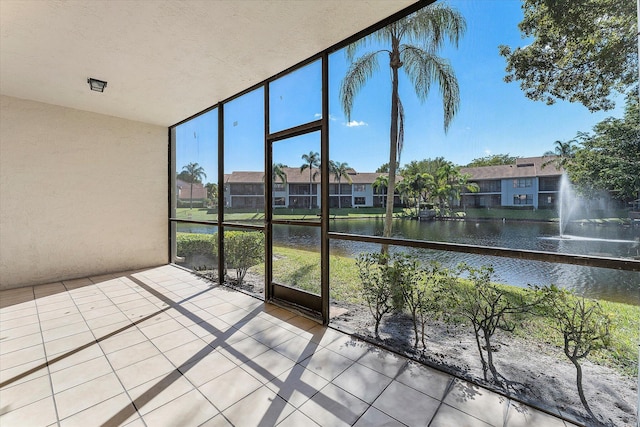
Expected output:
(212, 192)
(380, 185)
(194, 173)
(414, 42)
(339, 170)
(277, 171)
(311, 160)
(562, 153)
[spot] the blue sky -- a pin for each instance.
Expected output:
(494, 117)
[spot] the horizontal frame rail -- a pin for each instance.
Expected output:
(529, 255)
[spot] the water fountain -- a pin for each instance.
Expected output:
(567, 203)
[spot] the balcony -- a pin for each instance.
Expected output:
(163, 347)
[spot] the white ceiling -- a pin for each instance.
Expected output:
(165, 60)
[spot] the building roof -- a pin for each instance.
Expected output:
(184, 190)
(525, 167)
(294, 176)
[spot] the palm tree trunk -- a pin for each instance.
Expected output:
(191, 197)
(393, 155)
(339, 195)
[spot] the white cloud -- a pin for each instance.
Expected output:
(355, 123)
(319, 116)
(487, 151)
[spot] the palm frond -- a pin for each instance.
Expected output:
(433, 25)
(357, 75)
(423, 68)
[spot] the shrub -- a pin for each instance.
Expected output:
(243, 250)
(191, 244)
(376, 288)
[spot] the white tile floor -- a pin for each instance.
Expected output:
(161, 347)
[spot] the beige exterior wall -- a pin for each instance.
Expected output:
(80, 193)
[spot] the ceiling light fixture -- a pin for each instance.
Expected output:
(97, 85)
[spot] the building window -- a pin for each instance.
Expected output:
(279, 201)
(523, 199)
(278, 186)
(522, 183)
(359, 188)
(359, 201)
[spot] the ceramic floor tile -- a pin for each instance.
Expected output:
(160, 328)
(520, 415)
(362, 382)
(383, 361)
(80, 373)
(106, 320)
(31, 319)
(25, 372)
(474, 400)
(66, 360)
(114, 411)
(298, 324)
(273, 336)
(61, 321)
(70, 343)
(243, 350)
(174, 339)
(297, 419)
(406, 405)
(40, 413)
(425, 379)
(190, 409)
(86, 395)
(145, 370)
(155, 393)
(229, 388)
(327, 364)
(132, 354)
(297, 385)
(333, 406)
(217, 421)
(20, 357)
(260, 408)
(349, 347)
(8, 344)
(448, 416)
(297, 348)
(376, 418)
(16, 396)
(189, 353)
(122, 340)
(268, 365)
(64, 331)
(207, 368)
(6, 315)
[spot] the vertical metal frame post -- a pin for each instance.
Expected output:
(220, 193)
(324, 193)
(268, 202)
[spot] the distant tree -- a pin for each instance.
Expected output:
(419, 187)
(429, 166)
(380, 185)
(412, 43)
(192, 173)
(581, 51)
(609, 158)
(562, 154)
(449, 184)
(384, 168)
(277, 171)
(212, 192)
(339, 170)
(493, 160)
(311, 161)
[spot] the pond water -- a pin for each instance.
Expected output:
(606, 241)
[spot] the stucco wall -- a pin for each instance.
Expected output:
(80, 193)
